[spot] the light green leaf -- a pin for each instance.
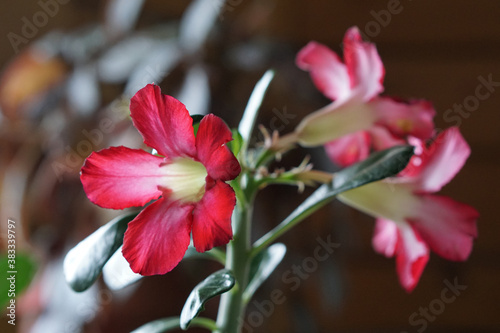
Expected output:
(22, 270)
(85, 261)
(215, 284)
(262, 266)
(377, 166)
(247, 122)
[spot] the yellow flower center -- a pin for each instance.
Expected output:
(185, 178)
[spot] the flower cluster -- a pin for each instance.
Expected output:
(410, 220)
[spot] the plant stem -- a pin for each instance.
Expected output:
(232, 307)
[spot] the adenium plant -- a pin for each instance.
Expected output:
(196, 185)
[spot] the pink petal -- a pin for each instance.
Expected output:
(385, 237)
(383, 138)
(405, 118)
(349, 149)
(442, 160)
(121, 177)
(365, 68)
(448, 226)
(163, 122)
(157, 239)
(328, 73)
(411, 257)
(212, 217)
(211, 138)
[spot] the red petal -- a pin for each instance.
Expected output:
(349, 149)
(412, 254)
(120, 177)
(448, 226)
(157, 239)
(442, 160)
(212, 217)
(220, 162)
(365, 68)
(328, 73)
(383, 139)
(163, 122)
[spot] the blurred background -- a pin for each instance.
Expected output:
(70, 66)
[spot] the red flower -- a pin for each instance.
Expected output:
(410, 219)
(189, 182)
(358, 119)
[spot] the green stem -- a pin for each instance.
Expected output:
(232, 306)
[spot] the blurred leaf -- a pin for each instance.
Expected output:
(247, 122)
(196, 122)
(196, 24)
(154, 67)
(215, 284)
(195, 91)
(85, 261)
(121, 16)
(377, 166)
(25, 268)
(173, 323)
(262, 266)
(235, 145)
(83, 90)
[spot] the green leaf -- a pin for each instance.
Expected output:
(23, 271)
(215, 284)
(237, 143)
(247, 122)
(262, 266)
(85, 261)
(377, 166)
(196, 122)
(173, 323)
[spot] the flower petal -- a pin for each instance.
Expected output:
(328, 73)
(442, 160)
(405, 118)
(220, 162)
(383, 138)
(412, 254)
(448, 226)
(212, 217)
(364, 66)
(163, 122)
(349, 149)
(385, 237)
(157, 239)
(120, 177)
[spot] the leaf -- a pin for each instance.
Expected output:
(121, 16)
(196, 122)
(85, 261)
(195, 91)
(377, 166)
(24, 268)
(247, 122)
(235, 145)
(215, 284)
(173, 323)
(262, 266)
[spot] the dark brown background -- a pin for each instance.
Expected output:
(432, 49)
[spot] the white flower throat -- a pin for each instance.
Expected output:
(185, 177)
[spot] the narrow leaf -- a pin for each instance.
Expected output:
(247, 122)
(377, 166)
(262, 267)
(174, 323)
(215, 284)
(85, 261)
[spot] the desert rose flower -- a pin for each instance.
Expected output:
(188, 181)
(410, 219)
(358, 119)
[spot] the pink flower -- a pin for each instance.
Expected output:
(358, 119)
(410, 219)
(189, 183)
